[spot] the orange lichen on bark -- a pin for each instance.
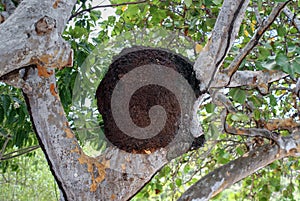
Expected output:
(43, 72)
(235, 130)
(113, 197)
(45, 58)
(69, 133)
(55, 5)
(147, 151)
(281, 124)
(70, 60)
(57, 60)
(263, 86)
(92, 163)
(67, 124)
(53, 91)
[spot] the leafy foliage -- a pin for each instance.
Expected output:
(29, 178)
(15, 130)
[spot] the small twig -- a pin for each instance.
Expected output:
(20, 152)
(221, 99)
(256, 11)
(4, 147)
(254, 40)
(106, 6)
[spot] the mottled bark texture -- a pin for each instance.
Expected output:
(32, 35)
(223, 36)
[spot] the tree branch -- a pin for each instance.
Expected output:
(223, 36)
(252, 132)
(106, 6)
(254, 41)
(256, 11)
(19, 152)
(252, 79)
(4, 147)
(292, 17)
(225, 176)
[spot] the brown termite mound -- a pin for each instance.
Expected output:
(144, 98)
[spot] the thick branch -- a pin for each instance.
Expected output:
(37, 37)
(223, 36)
(115, 174)
(253, 79)
(53, 133)
(225, 176)
(252, 132)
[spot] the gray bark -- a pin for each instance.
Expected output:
(32, 35)
(225, 176)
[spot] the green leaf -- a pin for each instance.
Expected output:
(296, 65)
(188, 3)
(217, 2)
(6, 103)
(239, 117)
(288, 68)
(256, 101)
(282, 60)
(210, 22)
(21, 117)
(223, 157)
(187, 168)
(213, 131)
(238, 95)
(281, 31)
(263, 53)
(111, 19)
(210, 107)
(256, 115)
(240, 151)
(78, 32)
(178, 182)
(273, 100)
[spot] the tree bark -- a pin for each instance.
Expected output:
(223, 36)
(227, 175)
(32, 35)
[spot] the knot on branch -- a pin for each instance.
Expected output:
(145, 97)
(45, 25)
